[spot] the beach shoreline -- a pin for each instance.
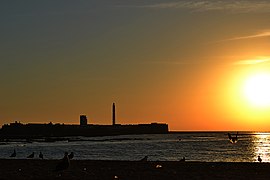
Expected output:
(106, 169)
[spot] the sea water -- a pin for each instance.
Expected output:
(194, 146)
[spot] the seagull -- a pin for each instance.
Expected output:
(144, 159)
(259, 159)
(63, 164)
(233, 139)
(31, 155)
(183, 159)
(40, 155)
(71, 155)
(13, 154)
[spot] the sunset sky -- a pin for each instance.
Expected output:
(193, 64)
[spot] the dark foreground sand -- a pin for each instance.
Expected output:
(129, 170)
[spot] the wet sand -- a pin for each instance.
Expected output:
(131, 170)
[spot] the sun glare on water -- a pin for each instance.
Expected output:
(257, 90)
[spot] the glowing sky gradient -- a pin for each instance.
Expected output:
(177, 62)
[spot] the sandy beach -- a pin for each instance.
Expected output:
(95, 169)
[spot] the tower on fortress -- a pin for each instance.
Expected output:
(83, 120)
(113, 114)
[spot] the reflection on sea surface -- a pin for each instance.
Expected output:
(261, 143)
(194, 146)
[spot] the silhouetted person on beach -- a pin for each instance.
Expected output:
(71, 155)
(144, 159)
(40, 155)
(31, 155)
(259, 159)
(13, 154)
(63, 164)
(233, 139)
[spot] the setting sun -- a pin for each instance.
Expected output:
(257, 89)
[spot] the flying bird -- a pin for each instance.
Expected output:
(40, 155)
(63, 164)
(233, 139)
(31, 155)
(71, 155)
(13, 154)
(259, 159)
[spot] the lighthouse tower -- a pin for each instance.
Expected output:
(113, 114)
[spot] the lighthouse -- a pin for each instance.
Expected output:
(113, 114)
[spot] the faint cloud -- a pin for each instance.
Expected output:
(169, 62)
(258, 35)
(254, 61)
(240, 6)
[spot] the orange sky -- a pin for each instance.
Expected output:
(182, 63)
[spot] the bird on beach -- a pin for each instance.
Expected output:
(144, 159)
(71, 155)
(31, 155)
(63, 164)
(183, 159)
(13, 154)
(259, 159)
(233, 139)
(40, 155)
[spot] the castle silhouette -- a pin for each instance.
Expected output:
(34, 130)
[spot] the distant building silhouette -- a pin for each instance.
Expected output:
(83, 120)
(35, 130)
(113, 114)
